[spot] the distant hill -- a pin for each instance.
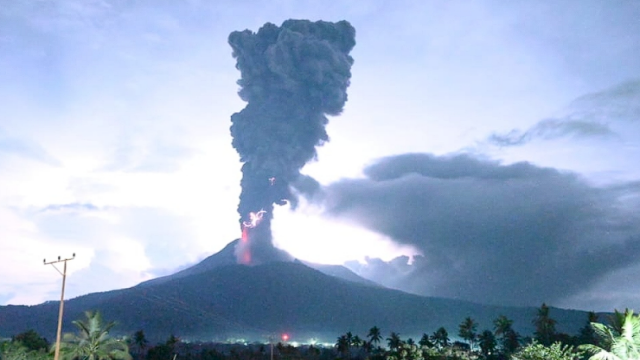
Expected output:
(218, 299)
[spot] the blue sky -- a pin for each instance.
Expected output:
(115, 144)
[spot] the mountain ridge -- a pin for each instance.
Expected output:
(215, 300)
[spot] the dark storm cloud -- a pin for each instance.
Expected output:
(508, 234)
(591, 115)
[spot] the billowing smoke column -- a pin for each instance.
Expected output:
(292, 76)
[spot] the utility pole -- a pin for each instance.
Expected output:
(64, 278)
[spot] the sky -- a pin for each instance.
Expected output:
(488, 151)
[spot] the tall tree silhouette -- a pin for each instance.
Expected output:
(394, 341)
(487, 342)
(545, 326)
(140, 342)
(467, 331)
(587, 335)
(374, 335)
(342, 345)
(440, 338)
(509, 338)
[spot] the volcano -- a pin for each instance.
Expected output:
(217, 300)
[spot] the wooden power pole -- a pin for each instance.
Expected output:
(64, 279)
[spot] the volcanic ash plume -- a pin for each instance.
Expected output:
(292, 76)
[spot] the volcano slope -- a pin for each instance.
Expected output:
(217, 300)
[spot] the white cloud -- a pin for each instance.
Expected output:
(25, 278)
(308, 235)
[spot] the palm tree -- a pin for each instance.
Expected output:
(619, 341)
(394, 341)
(487, 342)
(441, 338)
(510, 342)
(356, 341)
(545, 326)
(374, 335)
(502, 325)
(617, 319)
(349, 337)
(92, 341)
(342, 345)
(509, 338)
(425, 341)
(367, 346)
(140, 341)
(467, 331)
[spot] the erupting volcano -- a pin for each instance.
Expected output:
(292, 77)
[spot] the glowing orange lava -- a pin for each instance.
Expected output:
(245, 250)
(245, 253)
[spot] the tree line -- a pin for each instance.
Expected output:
(617, 339)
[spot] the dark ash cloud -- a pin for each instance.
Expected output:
(506, 234)
(306, 186)
(293, 76)
(593, 115)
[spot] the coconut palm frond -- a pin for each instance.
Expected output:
(93, 342)
(597, 353)
(619, 341)
(631, 328)
(605, 333)
(617, 319)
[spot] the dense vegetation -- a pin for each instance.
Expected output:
(617, 339)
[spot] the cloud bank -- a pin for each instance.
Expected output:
(489, 232)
